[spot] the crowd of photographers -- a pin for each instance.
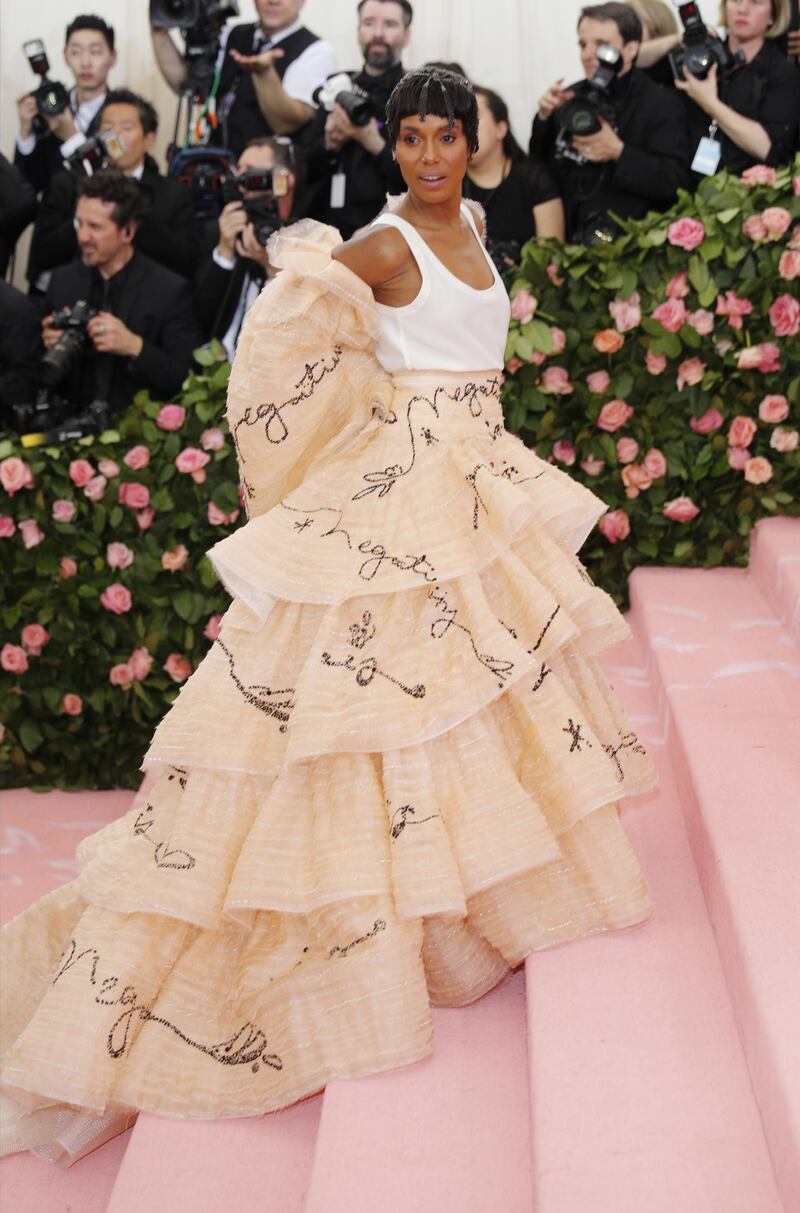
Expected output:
(131, 268)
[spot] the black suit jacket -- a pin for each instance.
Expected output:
(42, 164)
(21, 349)
(167, 233)
(17, 209)
(156, 305)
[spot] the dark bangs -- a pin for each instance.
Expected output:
(434, 90)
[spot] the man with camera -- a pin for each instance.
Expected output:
(268, 70)
(616, 141)
(260, 200)
(350, 165)
(90, 55)
(137, 327)
(167, 232)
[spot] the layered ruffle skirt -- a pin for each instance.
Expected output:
(394, 775)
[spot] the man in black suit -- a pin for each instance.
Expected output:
(17, 209)
(90, 55)
(20, 351)
(145, 331)
(167, 233)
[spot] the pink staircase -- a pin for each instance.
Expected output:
(652, 1069)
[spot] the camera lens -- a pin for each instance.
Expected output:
(698, 61)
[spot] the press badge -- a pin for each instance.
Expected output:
(338, 185)
(706, 158)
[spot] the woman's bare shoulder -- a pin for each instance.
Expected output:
(375, 254)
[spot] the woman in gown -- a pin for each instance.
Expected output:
(395, 773)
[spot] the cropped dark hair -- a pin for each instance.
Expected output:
(123, 96)
(433, 90)
(623, 16)
(89, 21)
(499, 111)
(408, 12)
(114, 186)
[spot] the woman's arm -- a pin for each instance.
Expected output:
(548, 220)
(654, 50)
(378, 256)
(746, 133)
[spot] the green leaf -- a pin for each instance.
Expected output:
(162, 501)
(189, 606)
(30, 736)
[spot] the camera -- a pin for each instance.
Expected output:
(700, 49)
(100, 152)
(59, 360)
(340, 90)
(200, 22)
(51, 97)
(270, 184)
(581, 115)
(50, 415)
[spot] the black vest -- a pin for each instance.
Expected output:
(236, 96)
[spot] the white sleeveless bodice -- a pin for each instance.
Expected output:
(449, 326)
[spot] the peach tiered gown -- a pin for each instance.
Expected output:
(393, 776)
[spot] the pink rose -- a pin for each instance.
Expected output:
(763, 357)
(690, 372)
(137, 458)
(656, 363)
(796, 186)
(615, 525)
(212, 629)
(191, 459)
(773, 409)
(552, 274)
(680, 509)
(636, 479)
(513, 365)
(734, 308)
(34, 638)
(67, 568)
(199, 476)
(738, 457)
(598, 381)
(63, 510)
(175, 560)
(145, 518)
(608, 341)
(754, 228)
(8, 526)
(121, 675)
(627, 450)
(13, 659)
(215, 515)
(108, 468)
(95, 490)
(742, 431)
(784, 440)
(80, 472)
(523, 306)
(136, 496)
(558, 338)
(212, 440)
(555, 381)
(71, 705)
(655, 463)
(119, 556)
(701, 321)
(116, 598)
(15, 474)
(711, 420)
(626, 313)
(671, 314)
(784, 316)
(789, 265)
(537, 358)
(171, 417)
(592, 466)
(678, 286)
(140, 662)
(758, 470)
(759, 174)
(31, 532)
(177, 667)
(614, 415)
(686, 233)
(777, 221)
(564, 452)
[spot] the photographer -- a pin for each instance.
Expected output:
(167, 232)
(90, 55)
(20, 351)
(142, 331)
(350, 164)
(17, 209)
(751, 111)
(268, 71)
(231, 277)
(637, 158)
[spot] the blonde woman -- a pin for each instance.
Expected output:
(660, 34)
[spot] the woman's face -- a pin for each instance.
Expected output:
(490, 133)
(747, 19)
(432, 156)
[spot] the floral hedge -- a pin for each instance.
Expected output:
(663, 371)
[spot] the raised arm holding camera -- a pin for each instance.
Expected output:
(617, 142)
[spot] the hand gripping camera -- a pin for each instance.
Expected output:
(51, 97)
(269, 184)
(57, 361)
(700, 49)
(340, 90)
(100, 152)
(581, 115)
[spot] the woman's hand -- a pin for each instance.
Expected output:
(704, 93)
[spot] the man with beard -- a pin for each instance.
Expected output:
(350, 167)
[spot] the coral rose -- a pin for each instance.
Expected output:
(686, 233)
(784, 316)
(553, 275)
(171, 417)
(108, 468)
(656, 363)
(13, 659)
(191, 459)
(555, 381)
(564, 452)
(71, 705)
(136, 496)
(80, 472)
(678, 286)
(95, 490)
(784, 440)
(636, 479)
(655, 463)
(789, 265)
(763, 357)
(116, 598)
(141, 662)
(671, 314)
(513, 365)
(177, 667)
(627, 450)
(32, 534)
(67, 568)
(614, 415)
(737, 457)
(796, 186)
(615, 525)
(734, 308)
(523, 307)
(680, 509)
(212, 629)
(773, 409)
(8, 526)
(121, 675)
(742, 431)
(175, 560)
(759, 174)
(754, 228)
(711, 420)
(777, 220)
(15, 474)
(119, 556)
(34, 637)
(63, 510)
(690, 372)
(212, 440)
(137, 458)
(626, 313)
(559, 339)
(598, 381)
(608, 341)
(758, 470)
(701, 321)
(144, 518)
(592, 466)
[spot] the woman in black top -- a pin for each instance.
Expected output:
(520, 198)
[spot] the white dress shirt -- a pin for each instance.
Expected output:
(84, 115)
(308, 71)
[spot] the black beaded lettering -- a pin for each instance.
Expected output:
(378, 926)
(163, 856)
(367, 670)
(578, 739)
(403, 817)
(501, 668)
(260, 696)
(628, 741)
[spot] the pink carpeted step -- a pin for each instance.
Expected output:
(450, 1133)
(731, 682)
(775, 568)
(640, 1094)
